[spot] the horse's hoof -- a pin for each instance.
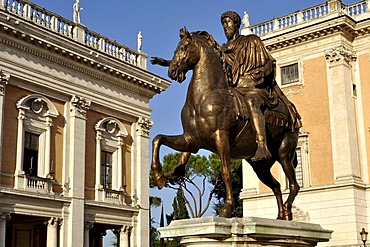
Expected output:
(288, 215)
(280, 216)
(225, 211)
(160, 179)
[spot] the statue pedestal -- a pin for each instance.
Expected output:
(250, 231)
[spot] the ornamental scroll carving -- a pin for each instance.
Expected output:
(4, 79)
(81, 105)
(339, 55)
(144, 126)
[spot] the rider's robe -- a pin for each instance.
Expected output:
(250, 68)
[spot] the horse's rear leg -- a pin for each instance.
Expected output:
(178, 143)
(287, 153)
(223, 149)
(262, 170)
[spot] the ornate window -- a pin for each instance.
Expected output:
(109, 180)
(35, 118)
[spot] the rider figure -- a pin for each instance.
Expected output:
(251, 70)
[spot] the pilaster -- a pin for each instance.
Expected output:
(143, 127)
(78, 107)
(345, 149)
(4, 79)
(4, 216)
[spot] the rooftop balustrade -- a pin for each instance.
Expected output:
(71, 30)
(308, 15)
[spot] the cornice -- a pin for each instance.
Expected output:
(83, 60)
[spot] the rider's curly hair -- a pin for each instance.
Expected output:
(233, 16)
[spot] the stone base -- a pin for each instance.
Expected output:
(246, 232)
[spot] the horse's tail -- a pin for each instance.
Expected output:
(295, 160)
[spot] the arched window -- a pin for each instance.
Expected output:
(35, 118)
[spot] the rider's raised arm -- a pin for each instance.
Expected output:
(160, 61)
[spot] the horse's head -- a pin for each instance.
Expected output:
(185, 56)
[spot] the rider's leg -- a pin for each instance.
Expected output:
(258, 123)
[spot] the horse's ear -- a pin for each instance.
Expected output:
(184, 32)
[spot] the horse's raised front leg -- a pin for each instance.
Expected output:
(179, 143)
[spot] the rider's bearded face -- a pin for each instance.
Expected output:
(229, 27)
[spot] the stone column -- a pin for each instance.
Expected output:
(4, 79)
(98, 186)
(48, 125)
(141, 182)
(343, 129)
(4, 216)
(88, 226)
(78, 107)
(124, 236)
(52, 233)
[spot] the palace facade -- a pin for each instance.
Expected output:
(74, 133)
(323, 61)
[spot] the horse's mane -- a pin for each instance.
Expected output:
(210, 40)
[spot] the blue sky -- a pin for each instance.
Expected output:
(159, 21)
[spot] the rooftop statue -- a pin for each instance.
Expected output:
(139, 41)
(246, 19)
(234, 108)
(76, 12)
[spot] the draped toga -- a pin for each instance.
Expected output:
(250, 69)
(247, 63)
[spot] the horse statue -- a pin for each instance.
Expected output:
(210, 121)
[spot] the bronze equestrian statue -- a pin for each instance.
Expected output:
(233, 108)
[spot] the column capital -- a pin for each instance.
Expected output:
(5, 215)
(54, 221)
(4, 79)
(339, 55)
(80, 105)
(126, 229)
(89, 224)
(143, 126)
